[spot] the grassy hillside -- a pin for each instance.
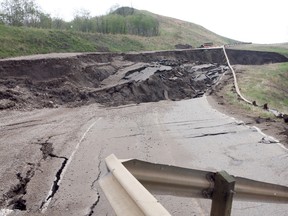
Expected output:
(266, 84)
(17, 41)
(176, 31)
(263, 84)
(281, 48)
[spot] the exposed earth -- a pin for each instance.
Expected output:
(32, 88)
(111, 79)
(115, 79)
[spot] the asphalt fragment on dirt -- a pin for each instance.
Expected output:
(74, 82)
(161, 80)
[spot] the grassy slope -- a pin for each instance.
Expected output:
(266, 84)
(16, 41)
(263, 84)
(24, 41)
(176, 31)
(279, 48)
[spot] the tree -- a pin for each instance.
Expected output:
(45, 21)
(21, 13)
(120, 22)
(59, 23)
(82, 21)
(1, 17)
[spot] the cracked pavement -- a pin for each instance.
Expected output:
(69, 145)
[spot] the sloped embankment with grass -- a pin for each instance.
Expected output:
(265, 84)
(281, 48)
(19, 41)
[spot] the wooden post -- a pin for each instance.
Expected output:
(222, 194)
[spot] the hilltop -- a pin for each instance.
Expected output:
(18, 41)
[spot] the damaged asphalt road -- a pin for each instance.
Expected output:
(72, 144)
(92, 105)
(112, 84)
(114, 79)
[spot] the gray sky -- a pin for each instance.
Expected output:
(257, 21)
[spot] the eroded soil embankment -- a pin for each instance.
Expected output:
(84, 78)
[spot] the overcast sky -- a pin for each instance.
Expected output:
(257, 21)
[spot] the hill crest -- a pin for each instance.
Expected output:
(19, 41)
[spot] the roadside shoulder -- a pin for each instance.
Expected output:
(270, 126)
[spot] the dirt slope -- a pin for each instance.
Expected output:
(50, 81)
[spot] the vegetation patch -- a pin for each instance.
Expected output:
(123, 29)
(233, 99)
(265, 84)
(278, 48)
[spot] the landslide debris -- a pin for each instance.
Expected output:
(112, 79)
(176, 82)
(157, 81)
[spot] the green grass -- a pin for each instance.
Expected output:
(233, 99)
(15, 41)
(19, 41)
(266, 84)
(177, 31)
(278, 48)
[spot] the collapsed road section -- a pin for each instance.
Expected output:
(116, 79)
(51, 158)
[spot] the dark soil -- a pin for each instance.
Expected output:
(29, 83)
(52, 81)
(246, 57)
(176, 84)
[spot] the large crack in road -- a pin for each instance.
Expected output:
(92, 208)
(161, 128)
(14, 197)
(55, 185)
(212, 134)
(164, 132)
(61, 171)
(93, 185)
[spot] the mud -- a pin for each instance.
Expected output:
(75, 80)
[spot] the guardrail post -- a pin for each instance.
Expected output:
(128, 181)
(222, 194)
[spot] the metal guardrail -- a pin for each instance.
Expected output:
(124, 187)
(126, 194)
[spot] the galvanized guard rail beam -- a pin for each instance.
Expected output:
(178, 181)
(197, 183)
(126, 195)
